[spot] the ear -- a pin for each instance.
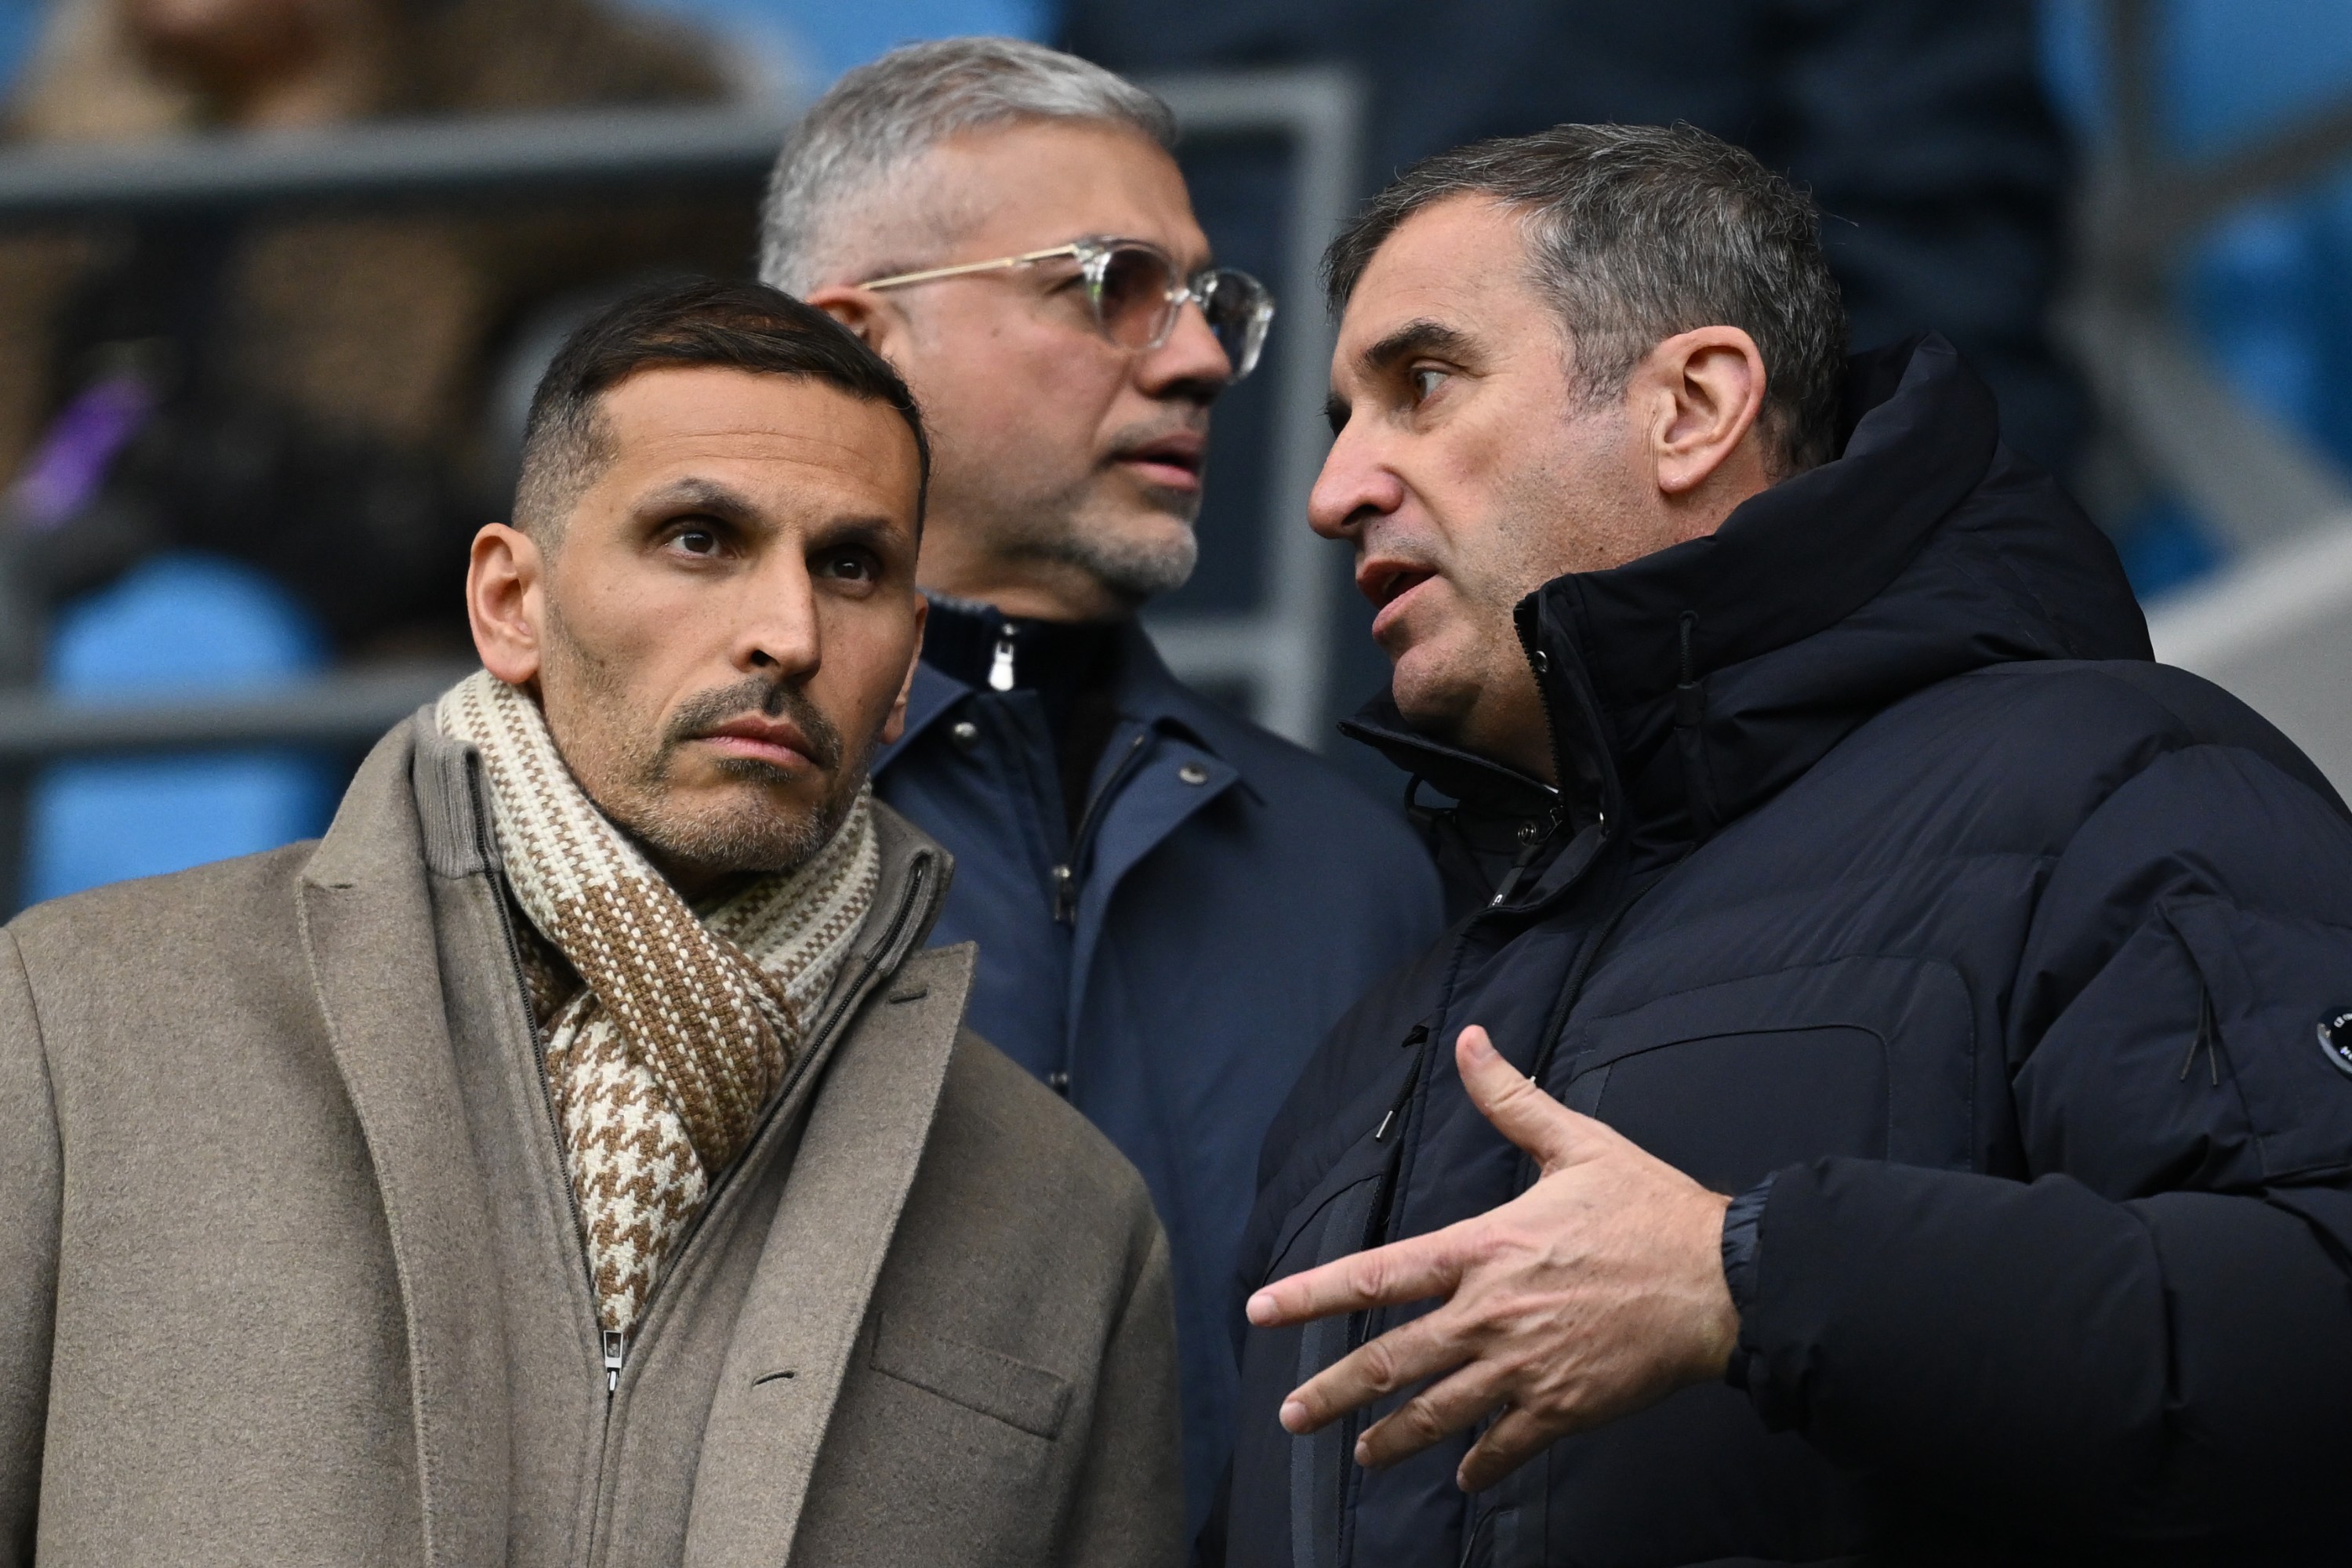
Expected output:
(878, 323)
(895, 724)
(1705, 393)
(506, 600)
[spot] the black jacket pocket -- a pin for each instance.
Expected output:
(1869, 1058)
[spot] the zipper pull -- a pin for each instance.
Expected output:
(1066, 895)
(1532, 836)
(617, 1351)
(1417, 1035)
(1000, 673)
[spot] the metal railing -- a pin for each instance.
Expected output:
(1280, 651)
(2275, 626)
(343, 711)
(2255, 480)
(374, 165)
(1276, 652)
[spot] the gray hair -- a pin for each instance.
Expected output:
(882, 116)
(1637, 233)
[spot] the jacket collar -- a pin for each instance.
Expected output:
(1687, 686)
(1493, 788)
(1145, 692)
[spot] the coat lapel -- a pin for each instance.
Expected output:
(368, 936)
(825, 1250)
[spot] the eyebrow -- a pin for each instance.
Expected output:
(859, 529)
(1415, 338)
(705, 495)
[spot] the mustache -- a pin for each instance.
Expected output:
(706, 710)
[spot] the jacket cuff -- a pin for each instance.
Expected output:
(1743, 1238)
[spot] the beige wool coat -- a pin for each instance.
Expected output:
(289, 1274)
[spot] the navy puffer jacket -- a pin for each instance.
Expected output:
(1892, 872)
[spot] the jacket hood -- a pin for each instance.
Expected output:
(1686, 688)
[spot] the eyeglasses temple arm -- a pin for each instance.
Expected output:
(1025, 259)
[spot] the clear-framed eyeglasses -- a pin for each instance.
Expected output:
(1136, 293)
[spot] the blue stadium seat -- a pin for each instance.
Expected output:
(178, 624)
(2262, 292)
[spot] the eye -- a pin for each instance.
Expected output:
(1426, 379)
(851, 564)
(697, 540)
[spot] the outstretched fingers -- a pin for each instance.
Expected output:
(1404, 1355)
(1403, 1271)
(1436, 1412)
(1515, 1438)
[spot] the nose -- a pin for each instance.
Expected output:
(1191, 364)
(777, 632)
(1354, 486)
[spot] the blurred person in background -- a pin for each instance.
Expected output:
(1921, 128)
(309, 393)
(244, 442)
(578, 1155)
(1173, 904)
(1900, 1108)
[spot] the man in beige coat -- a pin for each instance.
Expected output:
(575, 1157)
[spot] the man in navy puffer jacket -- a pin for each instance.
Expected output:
(1925, 1025)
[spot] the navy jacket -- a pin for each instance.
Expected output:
(1230, 896)
(1890, 869)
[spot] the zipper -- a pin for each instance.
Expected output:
(1595, 728)
(1000, 669)
(1417, 1035)
(1066, 875)
(1375, 1225)
(614, 1344)
(1539, 665)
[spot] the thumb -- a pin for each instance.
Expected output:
(1510, 1099)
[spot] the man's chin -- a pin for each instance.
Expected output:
(756, 818)
(1139, 558)
(1432, 701)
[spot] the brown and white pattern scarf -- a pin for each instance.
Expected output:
(683, 1027)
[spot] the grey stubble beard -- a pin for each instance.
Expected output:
(1065, 528)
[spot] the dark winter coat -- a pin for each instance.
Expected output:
(1891, 870)
(1170, 966)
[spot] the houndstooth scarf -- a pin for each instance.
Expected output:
(681, 1028)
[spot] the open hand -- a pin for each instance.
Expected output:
(1597, 1291)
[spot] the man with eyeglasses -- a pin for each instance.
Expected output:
(1172, 905)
